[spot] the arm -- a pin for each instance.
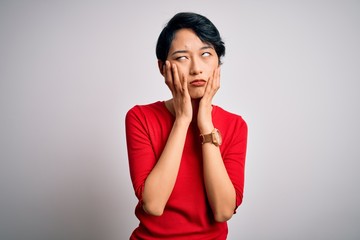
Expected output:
(161, 180)
(220, 190)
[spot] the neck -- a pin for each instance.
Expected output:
(194, 102)
(195, 105)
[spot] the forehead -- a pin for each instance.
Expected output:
(186, 39)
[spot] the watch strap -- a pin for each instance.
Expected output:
(206, 138)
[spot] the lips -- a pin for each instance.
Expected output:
(198, 82)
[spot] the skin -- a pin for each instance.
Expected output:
(192, 73)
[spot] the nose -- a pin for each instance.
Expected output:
(195, 67)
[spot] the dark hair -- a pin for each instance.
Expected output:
(202, 26)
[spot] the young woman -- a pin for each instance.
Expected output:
(186, 155)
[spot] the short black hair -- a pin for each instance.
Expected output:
(202, 26)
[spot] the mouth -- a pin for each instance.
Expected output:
(198, 83)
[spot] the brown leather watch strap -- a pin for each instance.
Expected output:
(206, 138)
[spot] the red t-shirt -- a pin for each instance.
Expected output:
(187, 214)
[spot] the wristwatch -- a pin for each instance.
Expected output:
(214, 137)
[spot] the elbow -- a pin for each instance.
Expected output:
(153, 209)
(223, 213)
(223, 216)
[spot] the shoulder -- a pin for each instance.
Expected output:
(149, 115)
(227, 117)
(147, 107)
(233, 128)
(229, 124)
(143, 110)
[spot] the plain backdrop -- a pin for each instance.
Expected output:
(70, 70)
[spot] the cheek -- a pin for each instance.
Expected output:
(212, 65)
(182, 69)
(215, 63)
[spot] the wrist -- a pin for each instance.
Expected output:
(206, 128)
(182, 122)
(213, 137)
(205, 123)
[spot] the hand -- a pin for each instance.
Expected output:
(178, 87)
(204, 118)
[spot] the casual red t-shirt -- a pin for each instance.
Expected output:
(187, 214)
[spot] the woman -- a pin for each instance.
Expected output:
(186, 155)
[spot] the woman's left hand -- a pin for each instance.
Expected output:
(204, 118)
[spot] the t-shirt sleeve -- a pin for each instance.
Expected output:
(140, 153)
(234, 158)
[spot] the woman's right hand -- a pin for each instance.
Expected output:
(178, 86)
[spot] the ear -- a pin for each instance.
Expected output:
(161, 66)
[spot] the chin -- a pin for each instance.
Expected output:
(195, 98)
(196, 95)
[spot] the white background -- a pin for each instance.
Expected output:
(70, 70)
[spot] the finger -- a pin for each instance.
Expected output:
(212, 85)
(168, 76)
(176, 79)
(215, 83)
(217, 78)
(184, 83)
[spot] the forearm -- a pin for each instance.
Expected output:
(161, 180)
(220, 190)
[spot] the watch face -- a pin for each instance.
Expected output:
(217, 139)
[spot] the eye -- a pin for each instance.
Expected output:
(181, 58)
(206, 54)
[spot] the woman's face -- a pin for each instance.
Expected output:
(196, 61)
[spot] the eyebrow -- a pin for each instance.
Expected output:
(186, 51)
